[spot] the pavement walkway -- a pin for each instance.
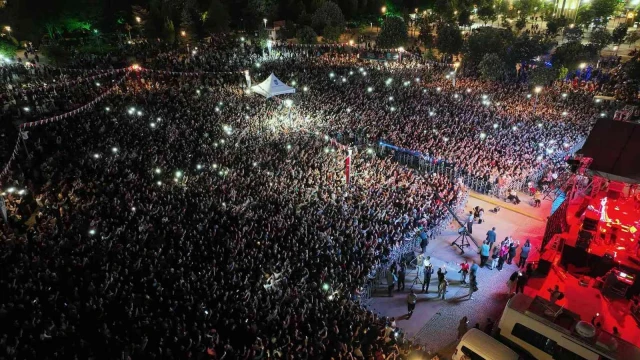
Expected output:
(434, 322)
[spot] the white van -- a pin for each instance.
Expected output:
(476, 345)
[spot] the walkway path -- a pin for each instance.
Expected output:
(434, 322)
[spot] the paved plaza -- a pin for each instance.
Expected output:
(435, 321)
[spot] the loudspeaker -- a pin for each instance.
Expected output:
(589, 224)
(584, 240)
(544, 266)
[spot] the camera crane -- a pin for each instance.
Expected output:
(464, 239)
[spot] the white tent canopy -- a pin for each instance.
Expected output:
(272, 87)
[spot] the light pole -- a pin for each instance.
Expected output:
(537, 90)
(455, 70)
(289, 103)
(265, 22)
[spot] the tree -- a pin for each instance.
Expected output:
(525, 47)
(487, 40)
(619, 33)
(217, 18)
(329, 14)
(306, 35)
(7, 48)
(572, 53)
(464, 17)
(600, 38)
(332, 32)
(632, 37)
(444, 8)
(426, 33)
(487, 13)
(168, 31)
(555, 24)
(393, 33)
(449, 40)
(491, 67)
(573, 33)
(543, 75)
(521, 23)
(562, 73)
(604, 8)
(190, 18)
(585, 16)
(527, 7)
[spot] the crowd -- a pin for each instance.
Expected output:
(185, 217)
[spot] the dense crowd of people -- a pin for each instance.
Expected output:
(183, 216)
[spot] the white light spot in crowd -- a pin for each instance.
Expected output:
(225, 204)
(330, 297)
(97, 84)
(455, 96)
(96, 156)
(424, 91)
(361, 69)
(242, 39)
(364, 73)
(114, 150)
(107, 108)
(293, 83)
(305, 89)
(528, 96)
(603, 114)
(483, 135)
(370, 150)
(484, 97)
(133, 209)
(369, 89)
(178, 173)
(445, 139)
(220, 173)
(564, 113)
(326, 137)
(438, 89)
(333, 150)
(222, 141)
(417, 79)
(198, 166)
(217, 109)
(215, 166)
(288, 147)
(257, 65)
(564, 95)
(193, 52)
(390, 98)
(326, 150)
(175, 179)
(153, 125)
(539, 158)
(514, 128)
(344, 79)
(539, 124)
(495, 126)
(11, 190)
(468, 90)
(331, 75)
(431, 113)
(350, 72)
(255, 164)
(26, 109)
(407, 83)
(198, 92)
(92, 232)
(388, 81)
(139, 113)
(447, 76)
(598, 100)
(541, 144)
(21, 192)
(393, 108)
(158, 171)
(565, 145)
(549, 151)
(348, 110)
(159, 183)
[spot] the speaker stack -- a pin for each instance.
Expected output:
(590, 224)
(584, 239)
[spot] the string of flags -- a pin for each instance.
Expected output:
(69, 83)
(73, 112)
(90, 105)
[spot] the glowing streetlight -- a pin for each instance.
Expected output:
(384, 10)
(8, 28)
(183, 33)
(265, 22)
(537, 90)
(138, 20)
(582, 65)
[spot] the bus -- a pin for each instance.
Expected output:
(547, 331)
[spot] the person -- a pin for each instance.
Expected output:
(442, 281)
(502, 256)
(491, 237)
(513, 197)
(511, 283)
(480, 216)
(412, 299)
(555, 294)
(524, 254)
(442, 289)
(521, 282)
(401, 276)
(470, 222)
(484, 253)
(428, 271)
(488, 328)
(495, 257)
(391, 280)
(464, 270)
(473, 286)
(424, 241)
(473, 270)
(463, 327)
(513, 246)
(537, 196)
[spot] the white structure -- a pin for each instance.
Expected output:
(272, 87)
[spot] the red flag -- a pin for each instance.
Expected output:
(347, 168)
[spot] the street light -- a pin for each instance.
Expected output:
(455, 70)
(289, 103)
(582, 66)
(8, 28)
(183, 33)
(138, 20)
(537, 90)
(265, 22)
